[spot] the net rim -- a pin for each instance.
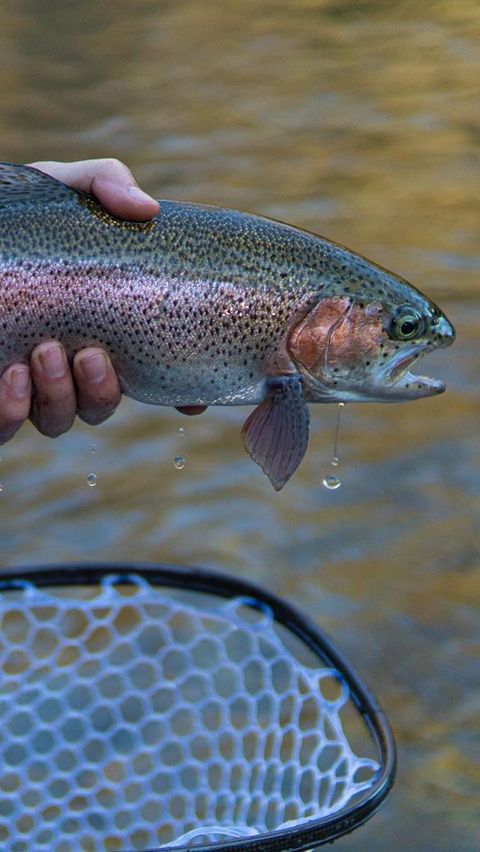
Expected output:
(318, 831)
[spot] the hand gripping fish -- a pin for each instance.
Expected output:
(207, 306)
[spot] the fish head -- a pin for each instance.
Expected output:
(360, 347)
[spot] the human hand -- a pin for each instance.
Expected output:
(50, 391)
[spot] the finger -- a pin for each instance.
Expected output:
(54, 405)
(98, 389)
(15, 397)
(191, 409)
(111, 181)
(125, 202)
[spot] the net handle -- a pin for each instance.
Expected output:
(316, 832)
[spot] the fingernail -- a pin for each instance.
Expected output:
(139, 195)
(19, 381)
(53, 362)
(94, 367)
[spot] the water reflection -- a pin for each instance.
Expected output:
(354, 120)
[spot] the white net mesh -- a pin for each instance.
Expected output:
(130, 719)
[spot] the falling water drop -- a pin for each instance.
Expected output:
(331, 482)
(181, 431)
(179, 462)
(92, 479)
(1, 487)
(93, 449)
(335, 458)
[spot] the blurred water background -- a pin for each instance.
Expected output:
(358, 121)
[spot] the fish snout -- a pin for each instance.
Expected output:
(443, 332)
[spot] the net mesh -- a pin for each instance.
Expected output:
(131, 719)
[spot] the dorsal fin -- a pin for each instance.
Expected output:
(23, 184)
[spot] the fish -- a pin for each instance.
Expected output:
(205, 306)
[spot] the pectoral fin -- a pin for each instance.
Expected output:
(276, 432)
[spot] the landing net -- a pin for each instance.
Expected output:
(135, 716)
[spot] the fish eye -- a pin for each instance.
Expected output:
(406, 325)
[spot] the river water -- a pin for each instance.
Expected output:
(358, 121)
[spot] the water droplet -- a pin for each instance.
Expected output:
(1, 487)
(335, 458)
(92, 479)
(93, 449)
(179, 462)
(332, 482)
(181, 431)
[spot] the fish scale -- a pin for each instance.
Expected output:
(207, 306)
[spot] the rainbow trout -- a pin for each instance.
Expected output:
(207, 306)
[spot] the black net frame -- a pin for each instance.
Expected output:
(312, 833)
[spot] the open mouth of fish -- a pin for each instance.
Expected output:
(398, 379)
(397, 375)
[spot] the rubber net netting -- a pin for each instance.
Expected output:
(131, 719)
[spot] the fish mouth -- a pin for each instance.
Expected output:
(398, 379)
(389, 381)
(399, 382)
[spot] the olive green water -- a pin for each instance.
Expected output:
(359, 121)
